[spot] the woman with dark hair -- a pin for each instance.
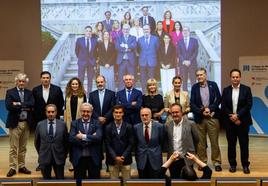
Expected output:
(127, 20)
(176, 35)
(159, 32)
(168, 22)
(187, 172)
(75, 96)
(99, 30)
(106, 56)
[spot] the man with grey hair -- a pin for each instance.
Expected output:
(19, 103)
(86, 137)
(126, 48)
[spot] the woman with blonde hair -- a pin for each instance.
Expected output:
(153, 100)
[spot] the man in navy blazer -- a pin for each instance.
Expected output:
(119, 141)
(187, 54)
(236, 105)
(205, 101)
(86, 51)
(126, 47)
(108, 22)
(51, 144)
(148, 46)
(19, 103)
(131, 99)
(149, 140)
(86, 137)
(102, 101)
(146, 19)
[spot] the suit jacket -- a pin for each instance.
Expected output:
(132, 112)
(51, 148)
(93, 142)
(189, 137)
(108, 27)
(190, 53)
(106, 56)
(169, 57)
(171, 26)
(12, 95)
(148, 53)
(169, 99)
(152, 151)
(55, 97)
(81, 50)
(176, 38)
(107, 107)
(196, 102)
(151, 22)
(119, 144)
(243, 107)
(132, 45)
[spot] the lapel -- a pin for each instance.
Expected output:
(141, 133)
(122, 130)
(98, 100)
(16, 93)
(106, 95)
(81, 126)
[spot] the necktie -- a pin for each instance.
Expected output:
(101, 97)
(186, 43)
(88, 45)
(128, 95)
(86, 127)
(21, 94)
(146, 134)
(144, 20)
(147, 41)
(50, 131)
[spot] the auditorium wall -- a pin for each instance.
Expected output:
(244, 33)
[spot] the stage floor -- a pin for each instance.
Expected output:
(258, 158)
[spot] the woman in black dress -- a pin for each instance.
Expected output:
(153, 100)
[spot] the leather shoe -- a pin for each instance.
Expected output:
(24, 170)
(218, 168)
(232, 169)
(246, 170)
(11, 173)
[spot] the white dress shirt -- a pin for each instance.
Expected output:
(177, 134)
(235, 95)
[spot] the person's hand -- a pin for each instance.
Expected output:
(157, 115)
(79, 135)
(237, 122)
(106, 65)
(206, 112)
(233, 117)
(175, 156)
(133, 103)
(102, 120)
(119, 160)
(190, 156)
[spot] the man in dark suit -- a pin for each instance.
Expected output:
(102, 101)
(119, 141)
(126, 48)
(183, 137)
(51, 143)
(108, 22)
(146, 19)
(131, 99)
(19, 103)
(86, 51)
(149, 139)
(187, 54)
(236, 104)
(86, 137)
(205, 101)
(148, 46)
(45, 94)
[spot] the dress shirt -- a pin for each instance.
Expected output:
(101, 98)
(86, 125)
(46, 93)
(149, 129)
(118, 127)
(54, 126)
(186, 42)
(204, 93)
(235, 95)
(177, 134)
(128, 91)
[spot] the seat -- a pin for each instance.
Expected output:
(236, 182)
(16, 183)
(101, 182)
(190, 183)
(145, 182)
(56, 183)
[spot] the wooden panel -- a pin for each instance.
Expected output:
(190, 183)
(56, 183)
(101, 183)
(264, 183)
(16, 183)
(236, 183)
(145, 182)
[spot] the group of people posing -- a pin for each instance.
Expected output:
(137, 44)
(125, 122)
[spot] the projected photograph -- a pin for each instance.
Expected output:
(145, 38)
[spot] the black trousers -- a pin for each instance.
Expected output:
(86, 169)
(47, 168)
(148, 172)
(175, 168)
(232, 133)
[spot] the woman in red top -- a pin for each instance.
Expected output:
(168, 23)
